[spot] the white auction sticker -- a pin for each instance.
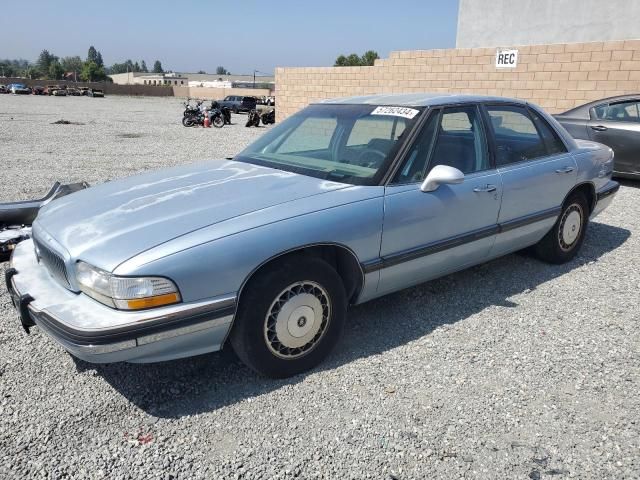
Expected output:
(396, 111)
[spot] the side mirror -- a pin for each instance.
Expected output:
(441, 174)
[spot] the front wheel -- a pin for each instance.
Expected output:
(290, 317)
(564, 240)
(188, 121)
(218, 121)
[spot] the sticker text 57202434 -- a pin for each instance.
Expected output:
(396, 111)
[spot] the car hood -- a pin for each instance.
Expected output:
(115, 221)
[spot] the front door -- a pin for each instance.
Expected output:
(617, 125)
(428, 234)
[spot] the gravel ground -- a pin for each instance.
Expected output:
(512, 369)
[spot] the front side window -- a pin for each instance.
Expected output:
(452, 137)
(345, 143)
(516, 136)
(618, 112)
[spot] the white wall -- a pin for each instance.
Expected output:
(493, 23)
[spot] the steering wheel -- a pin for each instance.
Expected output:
(371, 163)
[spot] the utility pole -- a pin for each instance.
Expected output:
(254, 78)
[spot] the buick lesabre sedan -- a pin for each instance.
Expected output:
(347, 200)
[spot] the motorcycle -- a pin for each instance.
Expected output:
(191, 113)
(194, 115)
(253, 119)
(268, 117)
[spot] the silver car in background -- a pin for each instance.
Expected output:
(346, 201)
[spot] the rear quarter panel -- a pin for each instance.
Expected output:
(594, 162)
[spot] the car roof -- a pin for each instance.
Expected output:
(584, 108)
(419, 99)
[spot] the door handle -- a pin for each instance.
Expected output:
(599, 128)
(565, 170)
(486, 188)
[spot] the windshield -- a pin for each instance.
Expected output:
(344, 143)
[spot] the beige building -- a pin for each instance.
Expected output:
(141, 78)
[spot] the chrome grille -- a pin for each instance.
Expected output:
(53, 262)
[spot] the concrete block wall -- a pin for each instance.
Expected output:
(555, 76)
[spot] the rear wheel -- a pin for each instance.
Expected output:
(564, 240)
(218, 121)
(290, 317)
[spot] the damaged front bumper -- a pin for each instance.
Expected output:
(16, 217)
(99, 334)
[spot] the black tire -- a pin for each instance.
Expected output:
(188, 121)
(564, 240)
(289, 284)
(218, 121)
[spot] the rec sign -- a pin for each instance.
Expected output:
(506, 58)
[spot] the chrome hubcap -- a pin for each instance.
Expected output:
(570, 226)
(297, 319)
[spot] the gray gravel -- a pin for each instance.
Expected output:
(512, 369)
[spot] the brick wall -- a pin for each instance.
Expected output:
(556, 77)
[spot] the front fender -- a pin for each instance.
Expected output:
(221, 266)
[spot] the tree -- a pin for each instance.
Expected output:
(71, 64)
(92, 55)
(143, 66)
(222, 71)
(341, 61)
(99, 61)
(91, 72)
(157, 67)
(136, 67)
(369, 58)
(354, 60)
(32, 72)
(201, 72)
(45, 60)
(55, 71)
(17, 68)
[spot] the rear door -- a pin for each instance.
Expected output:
(617, 125)
(428, 234)
(537, 172)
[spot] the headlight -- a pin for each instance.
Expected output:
(126, 293)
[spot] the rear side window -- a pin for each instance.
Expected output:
(516, 136)
(618, 112)
(551, 139)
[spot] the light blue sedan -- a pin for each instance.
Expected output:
(347, 200)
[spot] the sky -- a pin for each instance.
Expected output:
(242, 36)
